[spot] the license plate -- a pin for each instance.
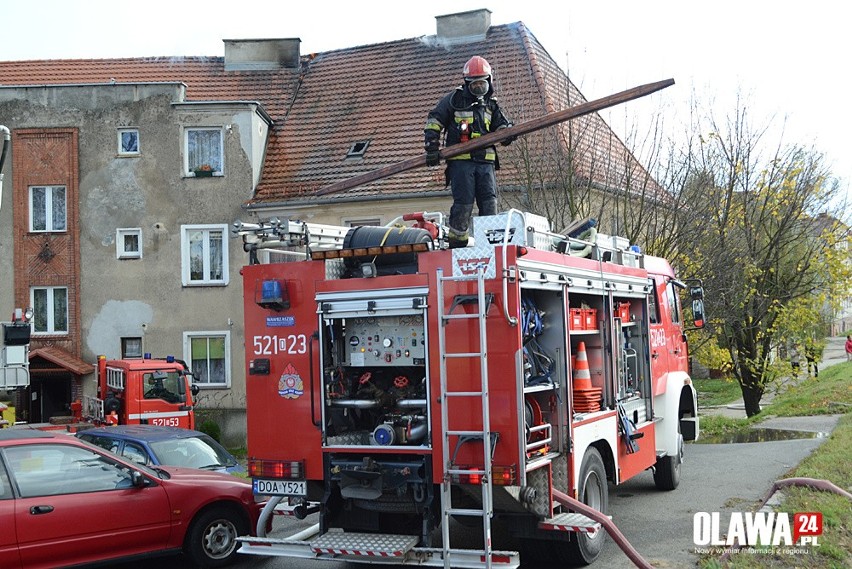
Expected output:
(279, 487)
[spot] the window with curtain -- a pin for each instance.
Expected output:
(50, 309)
(208, 354)
(204, 252)
(128, 141)
(204, 150)
(128, 243)
(47, 208)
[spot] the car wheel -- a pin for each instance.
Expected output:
(212, 538)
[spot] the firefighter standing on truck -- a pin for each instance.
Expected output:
(468, 112)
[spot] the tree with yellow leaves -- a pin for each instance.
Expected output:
(762, 230)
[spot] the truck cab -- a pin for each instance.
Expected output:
(145, 391)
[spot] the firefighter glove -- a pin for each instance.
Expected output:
(433, 157)
(509, 140)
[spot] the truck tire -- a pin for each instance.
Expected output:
(667, 469)
(212, 537)
(584, 548)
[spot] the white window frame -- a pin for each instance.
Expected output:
(120, 134)
(48, 209)
(217, 163)
(358, 149)
(187, 355)
(51, 302)
(186, 272)
(121, 251)
(126, 341)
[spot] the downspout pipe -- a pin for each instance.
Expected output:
(7, 137)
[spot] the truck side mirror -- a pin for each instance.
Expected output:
(697, 294)
(194, 389)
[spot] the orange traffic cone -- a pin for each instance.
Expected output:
(582, 376)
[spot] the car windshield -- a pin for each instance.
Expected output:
(192, 452)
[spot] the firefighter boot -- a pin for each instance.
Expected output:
(457, 239)
(458, 224)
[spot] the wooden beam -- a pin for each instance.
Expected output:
(493, 138)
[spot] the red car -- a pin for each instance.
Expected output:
(66, 502)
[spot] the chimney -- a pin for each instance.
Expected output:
(463, 27)
(261, 54)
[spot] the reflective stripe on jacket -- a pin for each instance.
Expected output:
(459, 106)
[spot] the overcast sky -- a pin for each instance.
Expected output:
(788, 58)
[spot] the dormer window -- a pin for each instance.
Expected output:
(357, 149)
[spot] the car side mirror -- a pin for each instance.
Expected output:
(138, 479)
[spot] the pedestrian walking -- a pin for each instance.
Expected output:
(795, 359)
(468, 112)
(849, 348)
(812, 355)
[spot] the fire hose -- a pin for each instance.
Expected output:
(607, 524)
(560, 497)
(814, 483)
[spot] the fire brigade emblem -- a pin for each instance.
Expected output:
(290, 386)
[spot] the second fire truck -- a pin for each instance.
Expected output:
(396, 386)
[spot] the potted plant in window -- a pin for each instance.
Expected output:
(203, 171)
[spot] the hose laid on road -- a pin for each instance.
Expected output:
(607, 524)
(816, 484)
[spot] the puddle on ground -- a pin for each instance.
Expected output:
(761, 435)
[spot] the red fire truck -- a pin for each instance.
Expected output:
(146, 391)
(395, 385)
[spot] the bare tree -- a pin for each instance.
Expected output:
(758, 227)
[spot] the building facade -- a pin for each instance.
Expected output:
(126, 175)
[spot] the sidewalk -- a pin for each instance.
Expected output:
(835, 353)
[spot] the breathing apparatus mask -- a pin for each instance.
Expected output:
(478, 86)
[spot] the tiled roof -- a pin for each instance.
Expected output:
(379, 93)
(62, 358)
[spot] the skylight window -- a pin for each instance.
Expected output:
(358, 149)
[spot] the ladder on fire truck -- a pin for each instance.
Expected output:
(449, 423)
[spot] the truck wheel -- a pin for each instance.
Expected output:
(212, 537)
(667, 469)
(592, 488)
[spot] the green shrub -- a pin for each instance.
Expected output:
(212, 429)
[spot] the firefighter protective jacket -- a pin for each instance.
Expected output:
(479, 116)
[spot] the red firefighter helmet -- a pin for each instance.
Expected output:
(477, 67)
(477, 75)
